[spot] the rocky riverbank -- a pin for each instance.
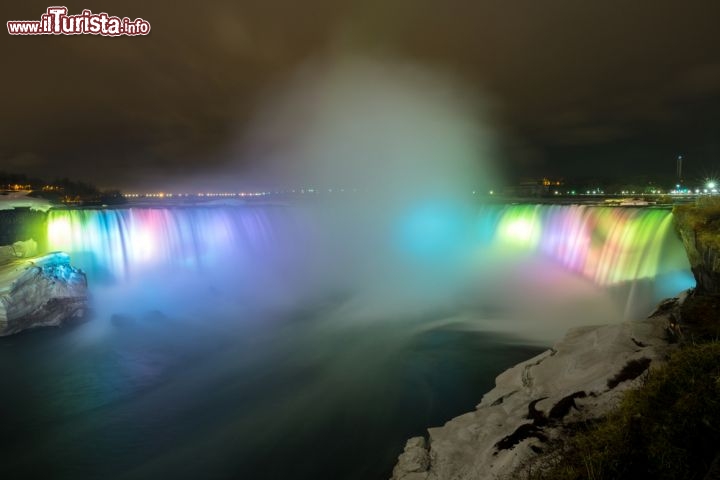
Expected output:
(699, 227)
(39, 291)
(581, 378)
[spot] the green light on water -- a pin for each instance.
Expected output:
(520, 227)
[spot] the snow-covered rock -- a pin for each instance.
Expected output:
(582, 377)
(20, 249)
(11, 200)
(40, 291)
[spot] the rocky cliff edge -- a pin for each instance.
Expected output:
(40, 291)
(581, 378)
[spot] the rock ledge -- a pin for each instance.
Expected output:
(40, 291)
(582, 377)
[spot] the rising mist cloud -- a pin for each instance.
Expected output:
(375, 124)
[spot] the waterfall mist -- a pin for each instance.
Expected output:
(394, 153)
(326, 329)
(392, 159)
(216, 321)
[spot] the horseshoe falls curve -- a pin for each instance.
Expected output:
(263, 248)
(271, 335)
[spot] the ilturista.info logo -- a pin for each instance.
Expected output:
(56, 21)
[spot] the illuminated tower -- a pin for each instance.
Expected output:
(679, 169)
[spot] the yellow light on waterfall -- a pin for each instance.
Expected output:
(520, 228)
(60, 234)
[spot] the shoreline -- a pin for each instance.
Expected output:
(582, 377)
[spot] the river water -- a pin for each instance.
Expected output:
(263, 342)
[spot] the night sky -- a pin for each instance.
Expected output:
(573, 87)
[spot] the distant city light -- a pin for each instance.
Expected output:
(709, 187)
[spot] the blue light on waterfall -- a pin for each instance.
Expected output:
(433, 229)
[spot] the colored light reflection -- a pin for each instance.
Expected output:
(606, 245)
(433, 230)
(120, 242)
(520, 227)
(60, 233)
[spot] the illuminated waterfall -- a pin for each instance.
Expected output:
(122, 242)
(606, 245)
(603, 244)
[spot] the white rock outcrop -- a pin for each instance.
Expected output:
(22, 249)
(22, 199)
(578, 379)
(40, 291)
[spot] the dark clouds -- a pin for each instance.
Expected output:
(576, 87)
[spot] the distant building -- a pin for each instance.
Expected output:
(552, 182)
(533, 187)
(16, 187)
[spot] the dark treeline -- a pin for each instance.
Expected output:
(61, 190)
